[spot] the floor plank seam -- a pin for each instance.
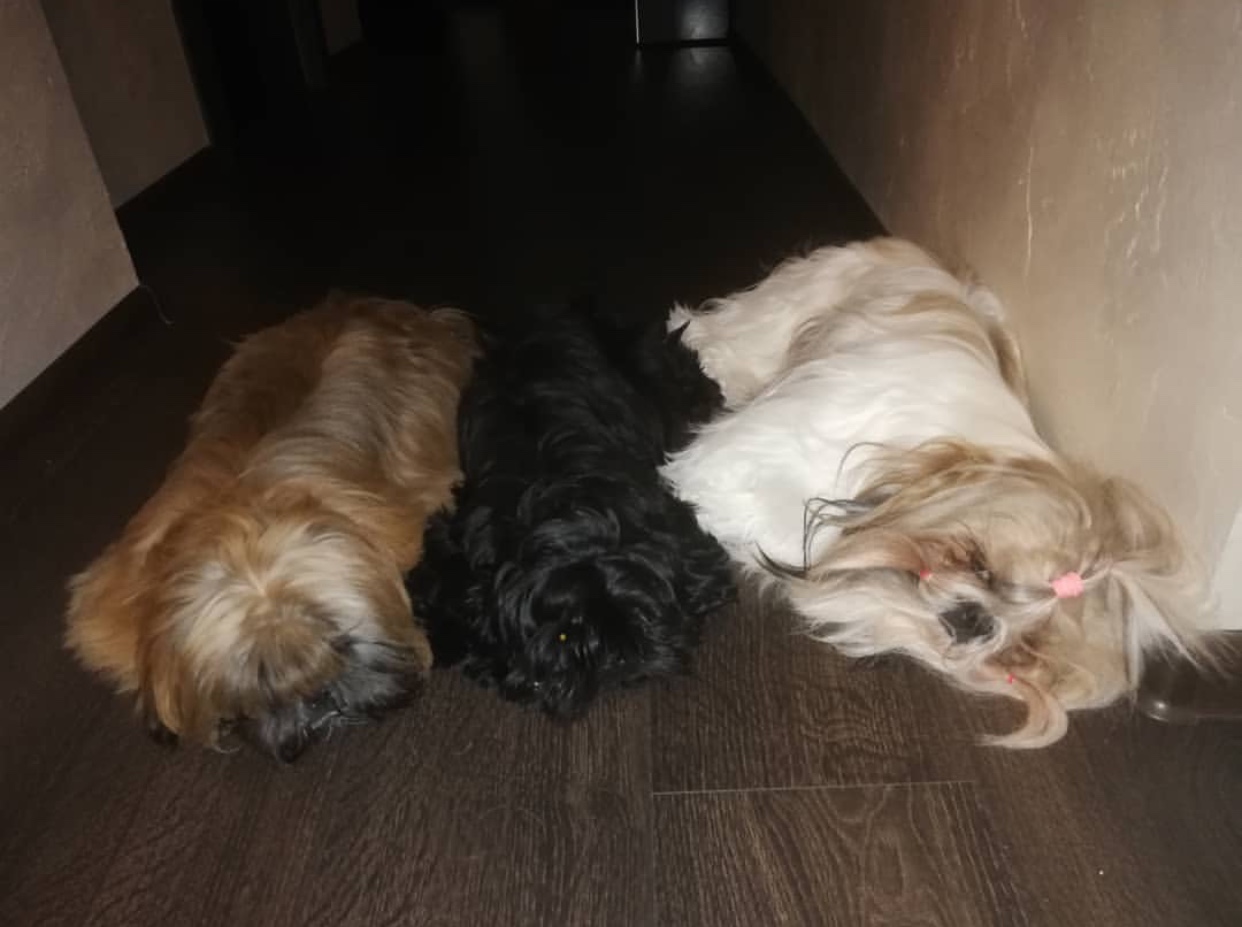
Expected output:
(828, 787)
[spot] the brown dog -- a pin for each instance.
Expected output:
(260, 588)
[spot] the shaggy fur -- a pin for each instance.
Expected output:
(878, 432)
(567, 566)
(261, 587)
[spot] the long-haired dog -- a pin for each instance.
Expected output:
(879, 461)
(261, 589)
(567, 566)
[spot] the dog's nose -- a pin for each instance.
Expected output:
(967, 621)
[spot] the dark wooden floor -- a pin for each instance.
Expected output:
(780, 785)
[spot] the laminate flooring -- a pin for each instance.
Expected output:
(538, 156)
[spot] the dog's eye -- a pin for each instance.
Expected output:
(980, 568)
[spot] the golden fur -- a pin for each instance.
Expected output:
(262, 583)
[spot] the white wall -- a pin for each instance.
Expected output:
(132, 85)
(63, 263)
(1086, 159)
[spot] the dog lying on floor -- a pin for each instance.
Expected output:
(261, 589)
(567, 567)
(879, 463)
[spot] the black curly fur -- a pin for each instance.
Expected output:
(567, 567)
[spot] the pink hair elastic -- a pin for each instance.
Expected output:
(924, 574)
(1068, 586)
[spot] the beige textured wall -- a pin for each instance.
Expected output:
(1086, 159)
(132, 85)
(63, 263)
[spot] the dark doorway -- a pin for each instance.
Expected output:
(255, 62)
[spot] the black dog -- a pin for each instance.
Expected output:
(567, 566)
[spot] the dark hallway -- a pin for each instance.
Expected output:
(539, 155)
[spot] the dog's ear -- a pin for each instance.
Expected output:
(1162, 581)
(444, 589)
(108, 603)
(163, 704)
(1133, 529)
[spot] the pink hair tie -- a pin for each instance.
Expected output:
(925, 574)
(1068, 586)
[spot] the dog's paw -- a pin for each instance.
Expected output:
(160, 733)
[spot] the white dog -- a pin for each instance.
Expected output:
(879, 462)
